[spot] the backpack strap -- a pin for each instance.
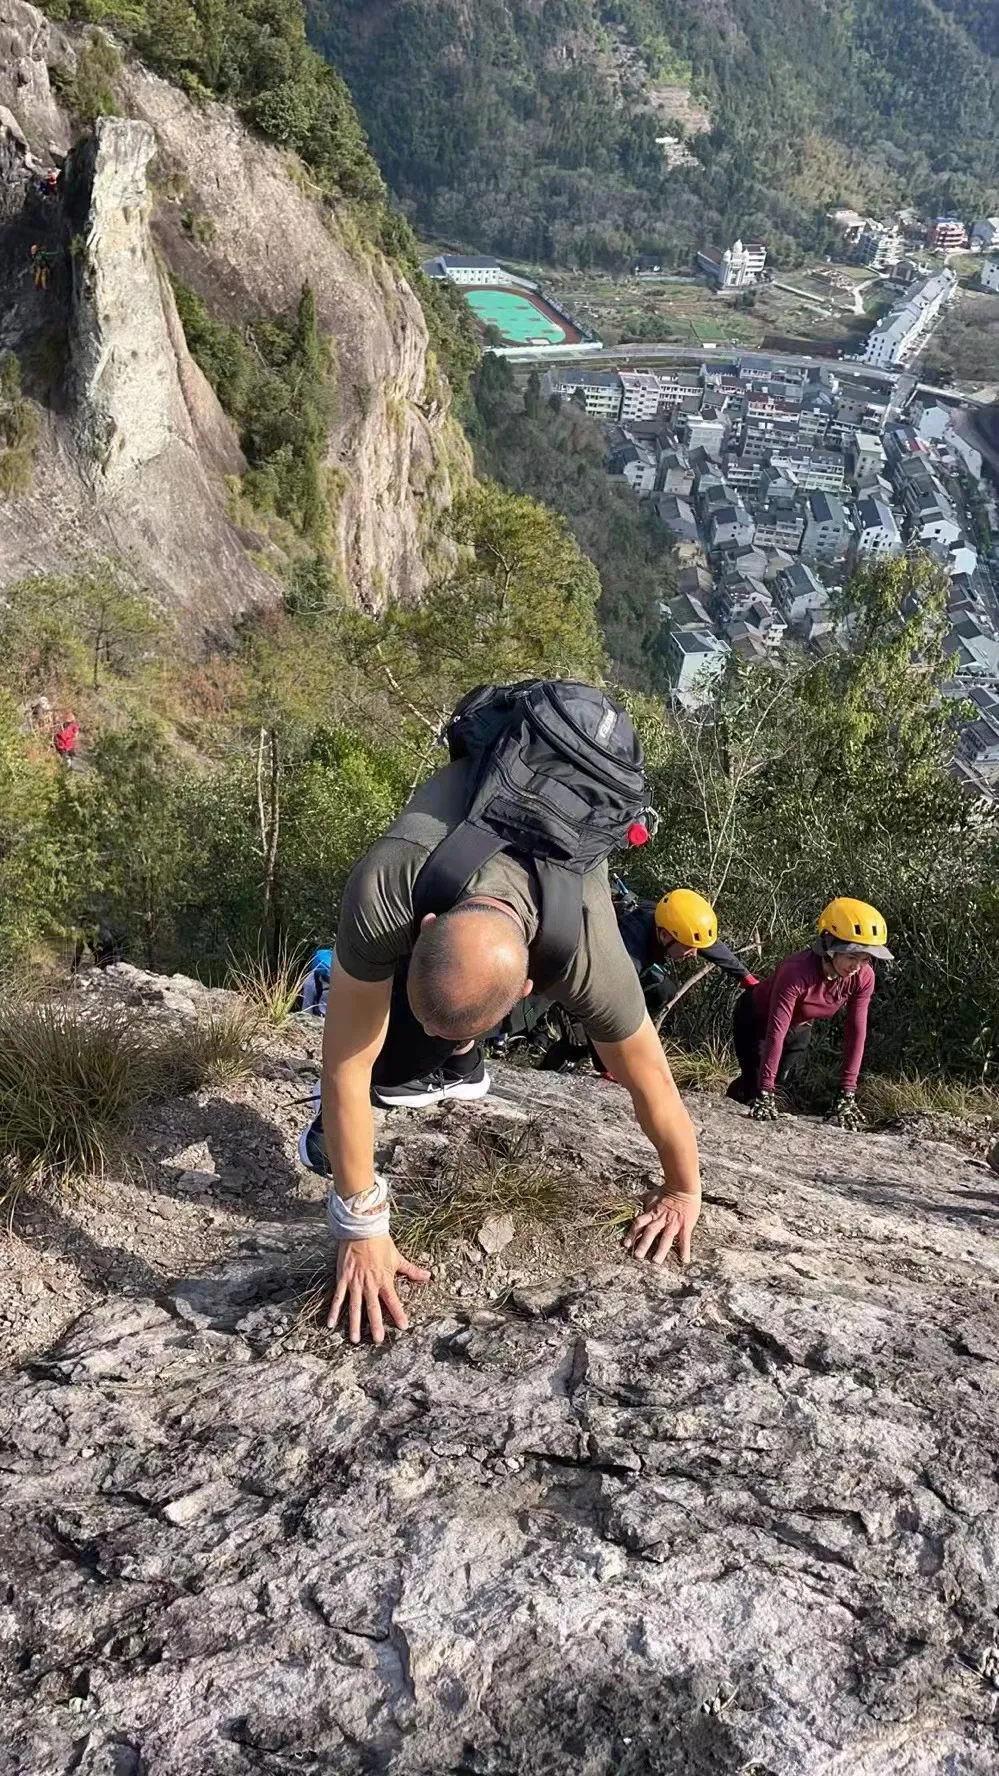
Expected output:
(449, 869)
(560, 925)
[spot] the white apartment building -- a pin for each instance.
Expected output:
(641, 392)
(678, 388)
(827, 529)
(637, 464)
(734, 268)
(702, 431)
(813, 471)
(466, 271)
(990, 274)
(907, 326)
(867, 456)
(800, 594)
(876, 529)
(601, 390)
(694, 657)
(880, 246)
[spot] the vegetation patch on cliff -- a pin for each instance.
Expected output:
(18, 430)
(253, 54)
(276, 380)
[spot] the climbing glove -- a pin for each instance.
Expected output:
(845, 1114)
(763, 1108)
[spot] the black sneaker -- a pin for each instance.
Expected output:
(463, 1078)
(312, 1150)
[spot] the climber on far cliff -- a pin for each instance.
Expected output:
(773, 1021)
(66, 738)
(42, 262)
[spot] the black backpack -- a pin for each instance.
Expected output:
(558, 779)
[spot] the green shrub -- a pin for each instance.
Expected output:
(88, 92)
(276, 382)
(252, 53)
(19, 429)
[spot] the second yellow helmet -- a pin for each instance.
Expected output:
(856, 922)
(688, 918)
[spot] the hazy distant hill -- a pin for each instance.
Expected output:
(529, 126)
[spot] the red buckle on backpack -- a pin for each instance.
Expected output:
(638, 833)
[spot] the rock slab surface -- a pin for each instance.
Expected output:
(738, 1521)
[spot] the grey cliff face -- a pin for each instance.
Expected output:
(262, 236)
(739, 1522)
(28, 45)
(135, 449)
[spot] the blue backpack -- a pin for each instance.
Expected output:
(322, 965)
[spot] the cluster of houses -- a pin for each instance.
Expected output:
(772, 483)
(894, 246)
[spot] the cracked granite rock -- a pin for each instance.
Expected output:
(740, 1522)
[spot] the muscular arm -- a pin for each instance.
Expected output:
(639, 1064)
(356, 1021)
(357, 1016)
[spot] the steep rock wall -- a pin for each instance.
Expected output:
(134, 449)
(28, 44)
(259, 234)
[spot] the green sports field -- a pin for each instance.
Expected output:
(515, 317)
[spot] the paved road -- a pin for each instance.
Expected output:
(637, 352)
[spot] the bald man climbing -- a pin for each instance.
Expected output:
(484, 889)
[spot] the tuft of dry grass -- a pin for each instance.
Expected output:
(885, 1099)
(707, 1069)
(71, 1081)
(216, 1050)
(487, 1172)
(271, 985)
(67, 1088)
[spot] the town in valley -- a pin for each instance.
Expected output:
(774, 473)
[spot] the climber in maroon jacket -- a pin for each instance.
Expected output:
(773, 1020)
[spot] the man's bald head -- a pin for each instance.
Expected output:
(468, 969)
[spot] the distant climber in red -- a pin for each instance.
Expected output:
(66, 738)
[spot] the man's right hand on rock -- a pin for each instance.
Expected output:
(365, 1279)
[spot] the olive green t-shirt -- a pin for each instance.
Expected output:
(599, 987)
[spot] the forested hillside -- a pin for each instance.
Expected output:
(505, 122)
(552, 451)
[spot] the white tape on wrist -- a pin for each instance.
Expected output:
(363, 1217)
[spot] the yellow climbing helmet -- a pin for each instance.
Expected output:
(689, 918)
(856, 923)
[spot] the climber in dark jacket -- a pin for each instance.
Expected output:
(655, 933)
(673, 929)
